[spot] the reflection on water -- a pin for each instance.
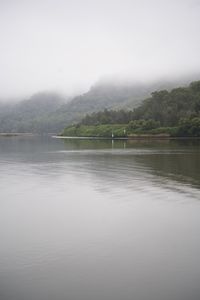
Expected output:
(98, 220)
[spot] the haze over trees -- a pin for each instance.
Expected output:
(165, 107)
(32, 115)
(104, 103)
(51, 112)
(176, 112)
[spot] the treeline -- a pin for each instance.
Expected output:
(38, 114)
(165, 107)
(50, 112)
(108, 117)
(170, 107)
(176, 112)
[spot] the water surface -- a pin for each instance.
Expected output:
(99, 220)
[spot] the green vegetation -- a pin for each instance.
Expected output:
(50, 112)
(189, 127)
(173, 113)
(34, 115)
(116, 131)
(96, 130)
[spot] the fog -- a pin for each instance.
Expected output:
(67, 45)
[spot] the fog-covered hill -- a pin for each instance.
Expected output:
(171, 113)
(107, 95)
(50, 112)
(30, 115)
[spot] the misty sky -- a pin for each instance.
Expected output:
(67, 45)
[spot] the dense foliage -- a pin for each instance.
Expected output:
(176, 112)
(108, 117)
(189, 127)
(170, 107)
(50, 112)
(35, 115)
(107, 103)
(107, 130)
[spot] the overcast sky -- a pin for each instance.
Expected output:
(67, 45)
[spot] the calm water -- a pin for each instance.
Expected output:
(96, 220)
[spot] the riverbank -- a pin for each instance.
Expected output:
(12, 134)
(111, 131)
(128, 138)
(116, 131)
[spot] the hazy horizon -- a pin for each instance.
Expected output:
(67, 46)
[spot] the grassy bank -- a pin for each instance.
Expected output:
(116, 130)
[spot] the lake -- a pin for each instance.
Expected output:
(99, 220)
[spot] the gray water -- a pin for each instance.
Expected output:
(99, 220)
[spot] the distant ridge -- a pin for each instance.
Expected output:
(50, 112)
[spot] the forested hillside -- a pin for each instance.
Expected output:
(169, 107)
(50, 112)
(176, 111)
(163, 106)
(111, 96)
(100, 97)
(31, 115)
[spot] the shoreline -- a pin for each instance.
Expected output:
(145, 137)
(132, 137)
(12, 134)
